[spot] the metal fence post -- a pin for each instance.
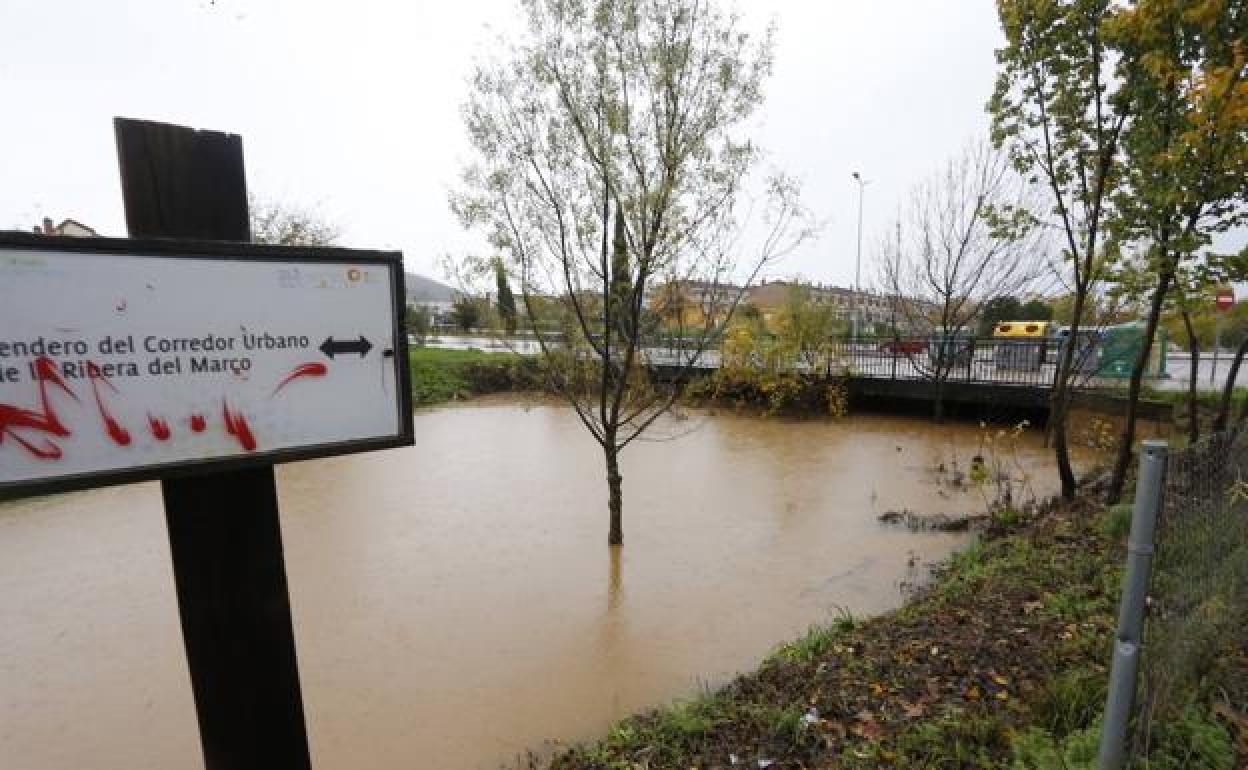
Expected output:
(1148, 498)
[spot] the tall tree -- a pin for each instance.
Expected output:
(1185, 294)
(1183, 65)
(970, 243)
(1225, 269)
(289, 225)
(1059, 111)
(1007, 307)
(417, 321)
(805, 328)
(506, 300)
(632, 110)
(466, 312)
(1035, 310)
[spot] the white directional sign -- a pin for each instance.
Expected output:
(124, 359)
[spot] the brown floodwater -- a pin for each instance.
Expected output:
(455, 602)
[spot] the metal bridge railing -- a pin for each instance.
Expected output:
(1030, 362)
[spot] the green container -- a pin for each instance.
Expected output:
(1120, 348)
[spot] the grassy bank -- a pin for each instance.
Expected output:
(1208, 402)
(440, 375)
(1001, 663)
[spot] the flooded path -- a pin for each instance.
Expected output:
(455, 602)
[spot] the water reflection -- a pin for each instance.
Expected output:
(614, 583)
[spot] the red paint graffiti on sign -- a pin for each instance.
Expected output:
(18, 423)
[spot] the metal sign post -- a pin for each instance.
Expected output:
(201, 363)
(1224, 300)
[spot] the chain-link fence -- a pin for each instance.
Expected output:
(1199, 587)
(1190, 525)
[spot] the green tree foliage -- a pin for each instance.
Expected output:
(1185, 155)
(1205, 320)
(805, 328)
(621, 282)
(785, 369)
(506, 300)
(466, 313)
(287, 225)
(418, 321)
(1011, 308)
(1035, 310)
(998, 309)
(1058, 110)
(1100, 310)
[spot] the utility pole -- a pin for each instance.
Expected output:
(857, 319)
(892, 303)
(1217, 344)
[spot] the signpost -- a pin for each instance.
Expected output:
(1224, 300)
(201, 363)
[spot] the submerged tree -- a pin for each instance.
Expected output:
(611, 167)
(1058, 110)
(969, 244)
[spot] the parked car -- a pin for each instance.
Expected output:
(903, 346)
(953, 348)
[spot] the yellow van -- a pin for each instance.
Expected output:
(1034, 329)
(1024, 345)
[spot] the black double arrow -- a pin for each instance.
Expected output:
(332, 347)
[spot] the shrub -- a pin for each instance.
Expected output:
(1071, 701)
(1037, 749)
(775, 392)
(1116, 521)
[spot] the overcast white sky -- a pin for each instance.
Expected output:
(353, 107)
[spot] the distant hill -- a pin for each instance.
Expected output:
(422, 289)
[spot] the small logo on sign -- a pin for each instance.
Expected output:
(289, 278)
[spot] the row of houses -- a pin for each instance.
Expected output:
(689, 302)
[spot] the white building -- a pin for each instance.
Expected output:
(69, 227)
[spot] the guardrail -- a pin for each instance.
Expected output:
(998, 361)
(990, 360)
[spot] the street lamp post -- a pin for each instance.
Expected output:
(857, 317)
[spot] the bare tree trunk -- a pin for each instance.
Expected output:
(615, 499)
(1126, 441)
(1228, 390)
(1062, 452)
(1193, 405)
(1060, 404)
